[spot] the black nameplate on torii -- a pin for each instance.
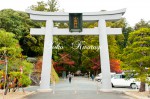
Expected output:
(75, 22)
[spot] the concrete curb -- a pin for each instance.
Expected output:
(112, 91)
(118, 92)
(44, 90)
(127, 93)
(134, 96)
(26, 95)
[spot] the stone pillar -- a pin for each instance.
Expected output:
(47, 57)
(104, 56)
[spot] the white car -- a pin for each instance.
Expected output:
(99, 76)
(119, 80)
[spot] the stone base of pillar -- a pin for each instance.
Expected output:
(106, 90)
(112, 91)
(44, 90)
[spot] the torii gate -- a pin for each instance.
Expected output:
(101, 30)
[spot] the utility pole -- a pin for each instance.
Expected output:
(6, 63)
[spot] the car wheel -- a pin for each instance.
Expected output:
(133, 86)
(112, 85)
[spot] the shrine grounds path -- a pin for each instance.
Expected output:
(79, 88)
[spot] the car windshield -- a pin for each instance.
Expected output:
(119, 76)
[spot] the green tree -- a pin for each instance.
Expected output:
(19, 24)
(24, 80)
(126, 32)
(10, 50)
(20, 63)
(113, 47)
(9, 46)
(16, 22)
(142, 24)
(136, 56)
(51, 5)
(34, 44)
(121, 39)
(41, 6)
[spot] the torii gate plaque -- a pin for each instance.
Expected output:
(101, 30)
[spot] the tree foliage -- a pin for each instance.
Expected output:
(19, 24)
(16, 22)
(65, 59)
(51, 5)
(10, 49)
(64, 63)
(114, 65)
(41, 6)
(38, 69)
(24, 80)
(9, 46)
(142, 24)
(136, 55)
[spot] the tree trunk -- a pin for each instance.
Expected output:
(142, 87)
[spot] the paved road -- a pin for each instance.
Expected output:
(80, 88)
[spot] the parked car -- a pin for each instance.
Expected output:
(119, 80)
(99, 76)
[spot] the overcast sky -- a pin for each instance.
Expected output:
(136, 9)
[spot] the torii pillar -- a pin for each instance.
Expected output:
(101, 30)
(104, 56)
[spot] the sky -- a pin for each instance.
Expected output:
(135, 9)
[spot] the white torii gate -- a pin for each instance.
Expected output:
(101, 30)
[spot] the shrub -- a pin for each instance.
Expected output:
(54, 76)
(24, 80)
(1, 73)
